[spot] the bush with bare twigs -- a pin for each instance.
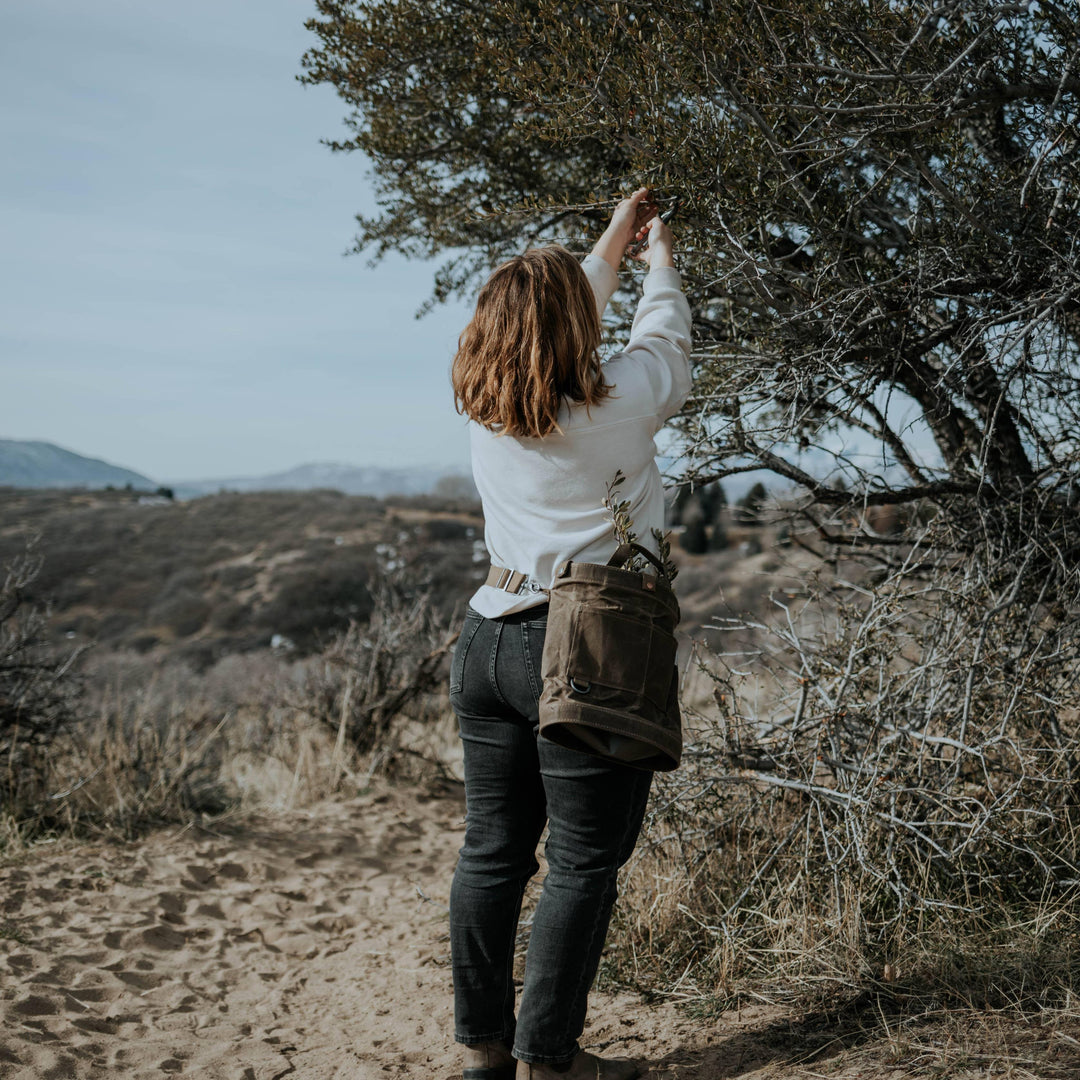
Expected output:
(883, 784)
(37, 687)
(375, 677)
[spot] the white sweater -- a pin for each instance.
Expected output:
(543, 498)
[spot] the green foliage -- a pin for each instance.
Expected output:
(713, 500)
(879, 202)
(691, 502)
(663, 548)
(679, 502)
(623, 527)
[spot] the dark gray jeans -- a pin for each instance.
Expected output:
(515, 782)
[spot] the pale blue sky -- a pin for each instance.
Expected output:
(173, 294)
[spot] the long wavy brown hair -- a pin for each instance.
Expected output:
(533, 340)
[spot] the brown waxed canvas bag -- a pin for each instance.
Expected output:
(610, 678)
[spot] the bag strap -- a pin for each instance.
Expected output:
(627, 551)
(512, 581)
(502, 577)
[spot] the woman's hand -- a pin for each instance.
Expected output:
(631, 215)
(660, 250)
(629, 222)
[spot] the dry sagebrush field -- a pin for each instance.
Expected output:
(233, 860)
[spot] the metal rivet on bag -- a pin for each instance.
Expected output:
(580, 688)
(649, 584)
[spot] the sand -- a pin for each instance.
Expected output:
(307, 944)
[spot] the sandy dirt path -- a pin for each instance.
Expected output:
(305, 945)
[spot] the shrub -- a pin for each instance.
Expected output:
(313, 603)
(38, 692)
(183, 611)
(442, 529)
(892, 762)
(371, 678)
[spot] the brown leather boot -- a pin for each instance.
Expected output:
(488, 1061)
(583, 1067)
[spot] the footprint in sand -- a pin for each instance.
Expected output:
(163, 937)
(288, 950)
(198, 877)
(36, 1005)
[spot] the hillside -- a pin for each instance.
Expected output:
(232, 572)
(349, 479)
(33, 464)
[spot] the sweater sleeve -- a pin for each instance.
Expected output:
(660, 340)
(602, 278)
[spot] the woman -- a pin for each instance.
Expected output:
(550, 428)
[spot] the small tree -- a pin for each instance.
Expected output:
(694, 539)
(678, 504)
(713, 500)
(748, 508)
(718, 538)
(878, 218)
(880, 201)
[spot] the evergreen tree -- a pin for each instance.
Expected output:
(713, 500)
(748, 508)
(694, 537)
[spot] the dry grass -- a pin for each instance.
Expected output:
(176, 709)
(1000, 1001)
(160, 743)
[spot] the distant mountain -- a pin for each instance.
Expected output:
(45, 465)
(350, 479)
